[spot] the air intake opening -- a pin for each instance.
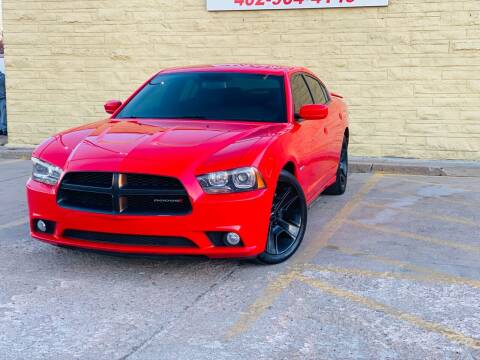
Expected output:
(127, 239)
(123, 194)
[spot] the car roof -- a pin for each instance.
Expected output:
(244, 68)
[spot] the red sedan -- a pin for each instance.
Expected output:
(220, 160)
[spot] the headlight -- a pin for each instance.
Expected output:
(45, 173)
(238, 180)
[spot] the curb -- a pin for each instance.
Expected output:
(396, 169)
(360, 165)
(452, 168)
(14, 153)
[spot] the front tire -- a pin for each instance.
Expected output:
(288, 221)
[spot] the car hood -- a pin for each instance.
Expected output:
(157, 146)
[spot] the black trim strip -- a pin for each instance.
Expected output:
(126, 239)
(126, 191)
(121, 191)
(86, 188)
(115, 193)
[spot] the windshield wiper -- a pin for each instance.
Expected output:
(187, 117)
(165, 117)
(134, 117)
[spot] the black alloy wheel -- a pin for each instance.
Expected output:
(288, 221)
(340, 184)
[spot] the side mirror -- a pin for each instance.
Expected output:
(112, 106)
(313, 112)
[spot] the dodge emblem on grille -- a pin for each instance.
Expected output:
(168, 201)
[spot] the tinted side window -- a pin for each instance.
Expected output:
(301, 94)
(317, 90)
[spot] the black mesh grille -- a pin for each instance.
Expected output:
(124, 239)
(129, 194)
(101, 202)
(96, 179)
(135, 181)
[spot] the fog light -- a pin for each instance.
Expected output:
(41, 226)
(232, 239)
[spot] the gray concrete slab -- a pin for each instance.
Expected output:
(390, 270)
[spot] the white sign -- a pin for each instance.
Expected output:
(219, 5)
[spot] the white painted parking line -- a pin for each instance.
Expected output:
(14, 223)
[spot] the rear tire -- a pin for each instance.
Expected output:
(340, 184)
(288, 221)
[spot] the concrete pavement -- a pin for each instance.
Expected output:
(390, 270)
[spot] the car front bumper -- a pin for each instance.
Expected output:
(245, 213)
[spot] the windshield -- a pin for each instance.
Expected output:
(210, 96)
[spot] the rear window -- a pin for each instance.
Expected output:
(210, 96)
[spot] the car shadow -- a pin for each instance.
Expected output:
(149, 261)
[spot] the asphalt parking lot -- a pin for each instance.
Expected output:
(391, 270)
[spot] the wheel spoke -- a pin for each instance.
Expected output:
(291, 229)
(272, 246)
(279, 203)
(289, 203)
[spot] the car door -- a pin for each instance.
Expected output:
(309, 137)
(326, 158)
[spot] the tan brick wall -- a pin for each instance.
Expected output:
(1, 19)
(410, 72)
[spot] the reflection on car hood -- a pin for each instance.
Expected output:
(166, 146)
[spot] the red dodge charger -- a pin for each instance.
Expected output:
(219, 160)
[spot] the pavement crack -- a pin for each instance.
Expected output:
(181, 313)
